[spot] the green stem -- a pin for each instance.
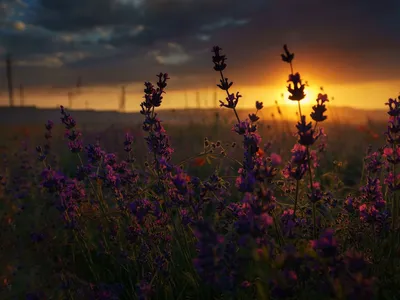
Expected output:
(236, 114)
(207, 153)
(296, 199)
(278, 232)
(312, 191)
(227, 92)
(298, 102)
(394, 200)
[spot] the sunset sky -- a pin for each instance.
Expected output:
(349, 47)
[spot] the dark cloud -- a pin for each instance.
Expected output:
(75, 15)
(112, 41)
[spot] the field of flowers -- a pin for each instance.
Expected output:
(253, 211)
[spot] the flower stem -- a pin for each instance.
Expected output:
(394, 200)
(298, 102)
(312, 191)
(227, 92)
(296, 199)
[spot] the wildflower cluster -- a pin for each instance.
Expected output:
(73, 135)
(44, 152)
(157, 141)
(392, 154)
(119, 225)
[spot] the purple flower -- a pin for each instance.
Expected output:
(94, 153)
(49, 125)
(318, 110)
(287, 56)
(245, 181)
(218, 59)
(288, 221)
(180, 181)
(259, 105)
(355, 261)
(392, 182)
(394, 107)
(316, 193)
(144, 290)
(326, 246)
(232, 100)
(74, 136)
(298, 165)
(75, 146)
(52, 180)
(66, 119)
(296, 87)
(253, 118)
(351, 204)
(128, 142)
(373, 162)
(307, 136)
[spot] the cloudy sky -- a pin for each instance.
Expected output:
(351, 47)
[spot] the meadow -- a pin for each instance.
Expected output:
(239, 208)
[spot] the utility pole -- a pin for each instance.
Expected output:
(215, 98)
(70, 96)
(76, 92)
(122, 102)
(198, 100)
(21, 95)
(186, 99)
(78, 85)
(9, 80)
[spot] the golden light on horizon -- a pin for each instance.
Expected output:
(369, 95)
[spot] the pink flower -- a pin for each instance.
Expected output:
(388, 151)
(276, 159)
(267, 219)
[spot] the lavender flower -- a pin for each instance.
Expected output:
(44, 152)
(318, 110)
(128, 142)
(296, 87)
(307, 135)
(326, 246)
(259, 105)
(287, 56)
(74, 136)
(298, 165)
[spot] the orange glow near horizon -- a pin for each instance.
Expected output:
(371, 95)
